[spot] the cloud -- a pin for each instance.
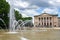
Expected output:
(21, 4)
(39, 3)
(35, 7)
(29, 12)
(50, 10)
(55, 3)
(29, 3)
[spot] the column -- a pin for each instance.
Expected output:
(49, 21)
(40, 22)
(43, 21)
(46, 21)
(52, 22)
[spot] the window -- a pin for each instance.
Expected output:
(47, 24)
(36, 25)
(42, 18)
(39, 23)
(44, 24)
(39, 19)
(54, 25)
(47, 18)
(50, 24)
(50, 18)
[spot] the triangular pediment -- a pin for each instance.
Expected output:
(45, 14)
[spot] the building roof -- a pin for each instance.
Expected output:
(58, 17)
(48, 14)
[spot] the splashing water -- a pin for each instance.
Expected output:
(22, 38)
(3, 23)
(13, 23)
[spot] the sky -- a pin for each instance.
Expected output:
(36, 7)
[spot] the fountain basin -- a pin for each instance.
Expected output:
(11, 32)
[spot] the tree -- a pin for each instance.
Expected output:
(4, 10)
(18, 16)
(26, 18)
(4, 7)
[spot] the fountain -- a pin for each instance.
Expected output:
(13, 23)
(12, 20)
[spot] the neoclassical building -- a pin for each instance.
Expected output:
(46, 20)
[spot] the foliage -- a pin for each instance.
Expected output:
(26, 18)
(4, 7)
(4, 10)
(17, 15)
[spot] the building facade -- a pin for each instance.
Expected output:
(46, 20)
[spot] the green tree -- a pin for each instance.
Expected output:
(26, 18)
(18, 16)
(4, 10)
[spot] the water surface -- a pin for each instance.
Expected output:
(48, 34)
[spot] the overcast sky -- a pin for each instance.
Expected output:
(36, 7)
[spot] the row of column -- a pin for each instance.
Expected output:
(46, 21)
